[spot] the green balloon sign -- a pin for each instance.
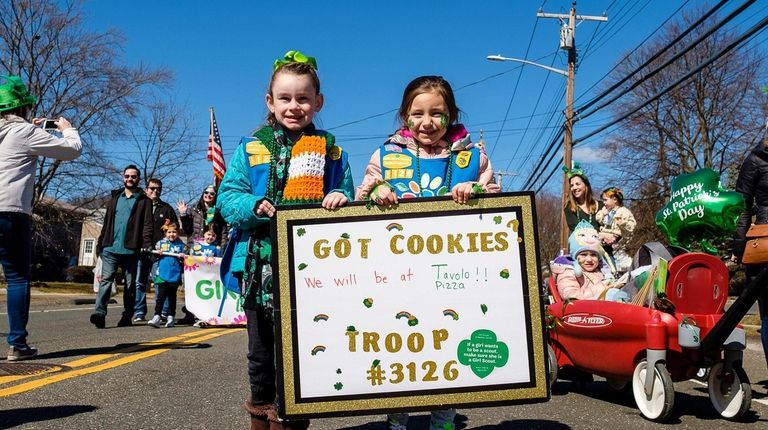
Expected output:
(700, 211)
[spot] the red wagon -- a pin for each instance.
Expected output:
(630, 344)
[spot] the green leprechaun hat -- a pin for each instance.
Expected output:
(14, 94)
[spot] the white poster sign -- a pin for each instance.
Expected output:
(426, 304)
(205, 295)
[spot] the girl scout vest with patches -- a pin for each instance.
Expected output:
(426, 177)
(293, 174)
(286, 174)
(169, 268)
(205, 250)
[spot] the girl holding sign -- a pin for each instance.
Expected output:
(429, 156)
(287, 161)
(168, 275)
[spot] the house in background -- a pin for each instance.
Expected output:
(89, 234)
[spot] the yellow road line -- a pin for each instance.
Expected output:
(99, 357)
(165, 345)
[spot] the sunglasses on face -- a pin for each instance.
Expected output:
(158, 189)
(209, 193)
(131, 176)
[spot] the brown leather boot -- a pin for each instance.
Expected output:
(261, 415)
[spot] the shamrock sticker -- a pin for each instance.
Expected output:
(699, 210)
(483, 352)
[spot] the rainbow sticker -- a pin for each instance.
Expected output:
(394, 226)
(317, 349)
(403, 314)
(451, 313)
(320, 317)
(412, 320)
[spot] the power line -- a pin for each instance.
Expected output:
(536, 106)
(746, 35)
(517, 82)
(391, 111)
(580, 115)
(635, 49)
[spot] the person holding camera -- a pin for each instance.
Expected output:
(21, 143)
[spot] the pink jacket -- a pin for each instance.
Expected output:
(440, 150)
(588, 286)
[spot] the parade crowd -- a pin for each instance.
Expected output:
(286, 161)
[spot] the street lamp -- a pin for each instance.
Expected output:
(551, 69)
(568, 133)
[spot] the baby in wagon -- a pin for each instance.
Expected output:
(588, 272)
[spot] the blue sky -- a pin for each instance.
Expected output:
(222, 53)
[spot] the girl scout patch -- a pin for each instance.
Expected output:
(462, 159)
(396, 161)
(335, 153)
(257, 153)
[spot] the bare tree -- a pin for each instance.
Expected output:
(75, 73)
(548, 210)
(710, 121)
(163, 146)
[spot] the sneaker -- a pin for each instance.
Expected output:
(16, 353)
(125, 322)
(155, 321)
(170, 322)
(98, 320)
(139, 319)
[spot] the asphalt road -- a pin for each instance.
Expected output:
(144, 378)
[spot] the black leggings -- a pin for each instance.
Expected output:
(261, 357)
(166, 290)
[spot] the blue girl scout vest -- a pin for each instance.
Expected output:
(259, 158)
(399, 167)
(169, 268)
(202, 248)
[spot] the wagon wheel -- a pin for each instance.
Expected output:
(730, 393)
(552, 366)
(662, 400)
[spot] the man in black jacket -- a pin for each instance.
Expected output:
(161, 212)
(127, 228)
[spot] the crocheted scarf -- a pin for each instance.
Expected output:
(303, 163)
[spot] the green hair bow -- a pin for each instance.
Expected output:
(575, 171)
(295, 57)
(13, 93)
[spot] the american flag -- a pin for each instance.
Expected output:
(215, 154)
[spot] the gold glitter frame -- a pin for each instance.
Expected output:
(285, 340)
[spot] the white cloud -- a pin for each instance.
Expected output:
(586, 155)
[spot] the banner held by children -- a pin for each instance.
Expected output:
(430, 304)
(205, 295)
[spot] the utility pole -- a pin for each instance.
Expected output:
(568, 43)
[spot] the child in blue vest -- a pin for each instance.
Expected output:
(207, 246)
(430, 155)
(285, 162)
(168, 275)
